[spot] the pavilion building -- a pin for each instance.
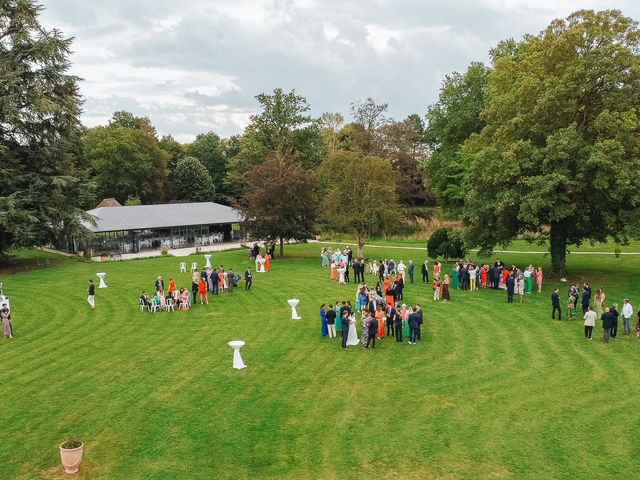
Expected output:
(131, 229)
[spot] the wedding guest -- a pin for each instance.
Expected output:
(511, 285)
(627, 312)
(330, 317)
(638, 326)
(445, 289)
(413, 328)
(379, 316)
(5, 316)
(607, 323)
(436, 289)
(521, 286)
(144, 299)
(397, 320)
(586, 297)
(425, 271)
(91, 295)
(323, 321)
(366, 318)
(589, 322)
(202, 288)
(555, 304)
(390, 320)
(172, 287)
(527, 280)
(248, 279)
(195, 284)
(372, 330)
(539, 279)
(614, 322)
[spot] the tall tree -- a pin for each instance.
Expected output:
(560, 152)
(42, 189)
(208, 148)
(128, 120)
(126, 163)
(330, 124)
(192, 181)
(282, 128)
(279, 207)
(403, 144)
(451, 121)
(371, 115)
(364, 207)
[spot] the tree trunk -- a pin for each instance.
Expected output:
(281, 247)
(360, 239)
(558, 243)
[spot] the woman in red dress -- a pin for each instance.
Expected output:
(483, 276)
(267, 262)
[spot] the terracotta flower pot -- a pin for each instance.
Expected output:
(71, 458)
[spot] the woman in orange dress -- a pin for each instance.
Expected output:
(380, 319)
(202, 288)
(333, 274)
(172, 287)
(436, 269)
(388, 292)
(267, 262)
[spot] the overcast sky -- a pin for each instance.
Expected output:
(195, 66)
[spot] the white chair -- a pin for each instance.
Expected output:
(183, 267)
(194, 266)
(155, 308)
(169, 305)
(142, 306)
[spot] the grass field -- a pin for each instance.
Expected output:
(494, 391)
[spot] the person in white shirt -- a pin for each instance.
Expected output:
(400, 269)
(627, 311)
(589, 323)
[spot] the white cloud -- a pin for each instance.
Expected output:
(196, 66)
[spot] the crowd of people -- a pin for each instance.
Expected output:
(209, 281)
(377, 316)
(464, 275)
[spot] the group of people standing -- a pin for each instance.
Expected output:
(395, 318)
(595, 309)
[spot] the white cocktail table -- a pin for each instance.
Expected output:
(238, 364)
(101, 276)
(293, 303)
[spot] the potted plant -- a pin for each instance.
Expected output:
(71, 454)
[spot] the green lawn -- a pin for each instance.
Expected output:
(493, 391)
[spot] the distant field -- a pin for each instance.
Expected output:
(494, 391)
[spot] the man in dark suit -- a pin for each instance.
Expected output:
(413, 320)
(425, 272)
(373, 328)
(555, 304)
(345, 311)
(586, 297)
(356, 271)
(511, 287)
(145, 300)
(607, 324)
(391, 315)
(418, 314)
(398, 326)
(159, 284)
(410, 270)
(382, 271)
(248, 279)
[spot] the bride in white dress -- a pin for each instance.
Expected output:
(352, 337)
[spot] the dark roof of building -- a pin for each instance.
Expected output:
(143, 217)
(109, 202)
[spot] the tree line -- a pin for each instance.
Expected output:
(542, 142)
